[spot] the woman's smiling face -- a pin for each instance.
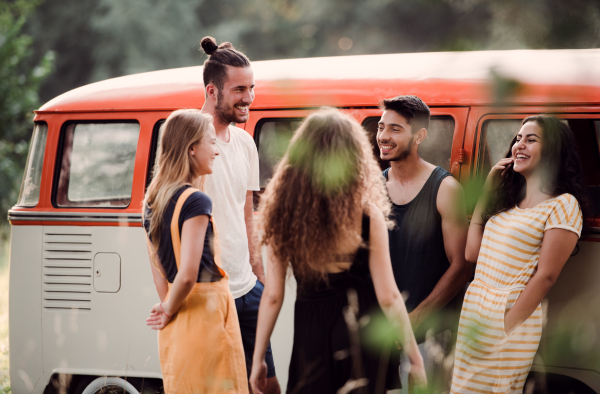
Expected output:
(527, 150)
(204, 152)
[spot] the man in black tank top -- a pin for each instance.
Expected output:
(427, 245)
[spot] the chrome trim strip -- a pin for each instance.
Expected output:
(75, 216)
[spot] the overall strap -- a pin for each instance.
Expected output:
(175, 223)
(217, 249)
(177, 239)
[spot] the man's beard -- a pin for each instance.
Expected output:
(404, 153)
(224, 114)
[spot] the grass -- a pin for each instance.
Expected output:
(4, 253)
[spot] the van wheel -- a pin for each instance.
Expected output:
(550, 383)
(108, 385)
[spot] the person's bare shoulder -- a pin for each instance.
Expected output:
(430, 167)
(375, 214)
(451, 196)
(450, 185)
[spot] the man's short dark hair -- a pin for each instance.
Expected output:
(219, 57)
(412, 108)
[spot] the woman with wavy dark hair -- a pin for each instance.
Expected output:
(325, 213)
(524, 228)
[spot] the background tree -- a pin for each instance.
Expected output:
(99, 39)
(19, 84)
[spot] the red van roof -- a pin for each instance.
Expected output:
(440, 78)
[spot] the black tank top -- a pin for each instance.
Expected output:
(416, 242)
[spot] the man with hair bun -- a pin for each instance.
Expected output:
(229, 91)
(427, 245)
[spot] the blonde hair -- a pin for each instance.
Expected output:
(174, 167)
(319, 191)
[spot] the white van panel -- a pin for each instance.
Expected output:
(571, 334)
(25, 331)
(90, 332)
(83, 329)
(282, 338)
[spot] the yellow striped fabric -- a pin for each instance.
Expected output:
(487, 360)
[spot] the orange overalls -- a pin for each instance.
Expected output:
(201, 348)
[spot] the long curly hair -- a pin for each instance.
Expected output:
(561, 169)
(319, 191)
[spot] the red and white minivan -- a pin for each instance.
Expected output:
(80, 280)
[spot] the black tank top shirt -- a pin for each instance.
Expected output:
(416, 242)
(197, 204)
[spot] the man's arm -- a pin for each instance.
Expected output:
(253, 246)
(452, 208)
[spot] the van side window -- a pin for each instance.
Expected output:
(496, 138)
(497, 134)
(587, 137)
(154, 149)
(273, 137)
(597, 127)
(437, 147)
(96, 167)
(32, 178)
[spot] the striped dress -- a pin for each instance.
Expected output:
(487, 360)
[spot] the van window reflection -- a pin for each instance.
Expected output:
(97, 165)
(32, 178)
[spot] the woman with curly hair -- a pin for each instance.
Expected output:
(325, 213)
(524, 228)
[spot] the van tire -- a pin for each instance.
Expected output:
(551, 383)
(108, 385)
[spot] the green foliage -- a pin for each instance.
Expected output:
(473, 190)
(380, 333)
(330, 172)
(95, 40)
(504, 88)
(4, 377)
(19, 84)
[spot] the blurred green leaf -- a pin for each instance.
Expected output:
(473, 190)
(379, 333)
(504, 88)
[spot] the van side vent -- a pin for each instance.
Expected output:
(67, 272)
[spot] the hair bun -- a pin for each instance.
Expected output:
(209, 45)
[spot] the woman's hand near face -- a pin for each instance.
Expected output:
(477, 226)
(158, 318)
(498, 172)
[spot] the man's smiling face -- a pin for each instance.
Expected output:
(394, 136)
(233, 101)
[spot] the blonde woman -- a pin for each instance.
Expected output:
(325, 212)
(200, 344)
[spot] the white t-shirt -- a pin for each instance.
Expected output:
(235, 171)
